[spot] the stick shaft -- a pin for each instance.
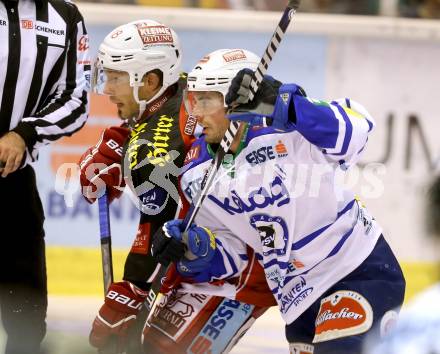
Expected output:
(106, 242)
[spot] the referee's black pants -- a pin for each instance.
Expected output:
(23, 285)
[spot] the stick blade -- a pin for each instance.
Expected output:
(294, 4)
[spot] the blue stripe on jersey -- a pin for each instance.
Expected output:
(217, 268)
(346, 208)
(334, 251)
(281, 265)
(348, 132)
(340, 244)
(230, 259)
(277, 252)
(317, 123)
(309, 238)
(370, 125)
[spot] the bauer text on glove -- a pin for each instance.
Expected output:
(123, 302)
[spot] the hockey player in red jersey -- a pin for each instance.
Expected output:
(138, 67)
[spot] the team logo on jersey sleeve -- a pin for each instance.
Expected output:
(273, 233)
(342, 314)
(192, 155)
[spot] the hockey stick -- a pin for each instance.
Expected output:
(106, 242)
(228, 138)
(107, 260)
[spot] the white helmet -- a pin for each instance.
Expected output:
(215, 71)
(137, 48)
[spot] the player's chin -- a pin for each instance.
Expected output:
(123, 115)
(212, 139)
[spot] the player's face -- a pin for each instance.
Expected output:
(208, 108)
(117, 86)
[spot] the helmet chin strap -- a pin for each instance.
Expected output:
(143, 103)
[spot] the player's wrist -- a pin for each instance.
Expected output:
(28, 133)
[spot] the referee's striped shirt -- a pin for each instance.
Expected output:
(44, 71)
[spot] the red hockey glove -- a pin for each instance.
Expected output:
(122, 304)
(100, 166)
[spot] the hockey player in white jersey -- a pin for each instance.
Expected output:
(326, 262)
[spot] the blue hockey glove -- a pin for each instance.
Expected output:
(201, 248)
(193, 251)
(272, 105)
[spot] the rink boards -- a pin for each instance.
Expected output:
(390, 67)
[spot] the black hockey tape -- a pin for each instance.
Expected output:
(294, 4)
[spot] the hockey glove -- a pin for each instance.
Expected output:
(272, 105)
(115, 318)
(100, 166)
(167, 246)
(193, 251)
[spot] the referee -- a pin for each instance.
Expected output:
(44, 81)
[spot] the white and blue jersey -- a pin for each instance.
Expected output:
(279, 194)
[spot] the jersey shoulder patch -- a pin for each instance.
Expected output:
(197, 154)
